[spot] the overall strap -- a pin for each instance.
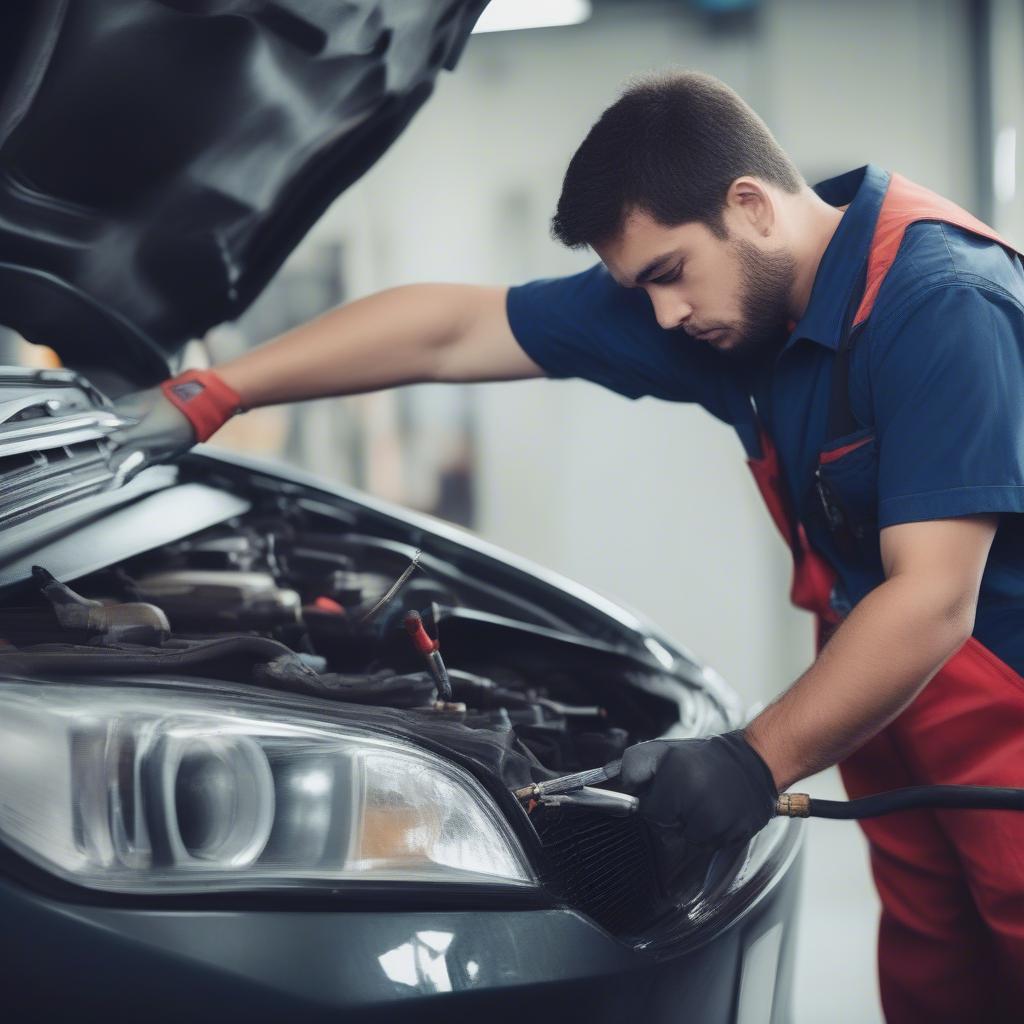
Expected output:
(841, 420)
(905, 203)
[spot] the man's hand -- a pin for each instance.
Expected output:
(697, 795)
(158, 430)
(166, 421)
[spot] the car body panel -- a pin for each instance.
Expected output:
(376, 965)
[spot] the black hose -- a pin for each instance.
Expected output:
(992, 798)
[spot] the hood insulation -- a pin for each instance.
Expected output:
(159, 159)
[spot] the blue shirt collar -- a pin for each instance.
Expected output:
(846, 254)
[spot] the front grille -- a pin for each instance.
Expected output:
(32, 483)
(600, 865)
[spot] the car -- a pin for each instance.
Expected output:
(232, 786)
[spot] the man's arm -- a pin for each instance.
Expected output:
(700, 794)
(431, 332)
(884, 652)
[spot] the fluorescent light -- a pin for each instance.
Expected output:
(505, 15)
(1004, 166)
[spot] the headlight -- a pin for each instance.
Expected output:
(141, 790)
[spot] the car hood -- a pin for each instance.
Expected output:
(160, 160)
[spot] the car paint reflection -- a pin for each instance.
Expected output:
(420, 963)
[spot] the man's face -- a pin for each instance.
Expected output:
(729, 292)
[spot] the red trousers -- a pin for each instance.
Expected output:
(951, 937)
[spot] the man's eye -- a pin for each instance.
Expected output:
(670, 276)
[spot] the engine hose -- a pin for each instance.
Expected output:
(913, 798)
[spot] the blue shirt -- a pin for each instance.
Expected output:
(936, 385)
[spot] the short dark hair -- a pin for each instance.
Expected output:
(670, 146)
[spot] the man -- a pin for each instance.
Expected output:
(866, 341)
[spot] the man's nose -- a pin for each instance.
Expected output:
(671, 311)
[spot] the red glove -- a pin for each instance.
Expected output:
(204, 399)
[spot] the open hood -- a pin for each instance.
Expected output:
(159, 159)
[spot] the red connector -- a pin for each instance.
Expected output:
(420, 637)
(430, 649)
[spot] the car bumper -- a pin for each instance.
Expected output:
(66, 960)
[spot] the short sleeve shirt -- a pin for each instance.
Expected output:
(936, 387)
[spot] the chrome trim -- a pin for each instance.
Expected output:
(80, 488)
(55, 432)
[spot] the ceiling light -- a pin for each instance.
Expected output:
(504, 15)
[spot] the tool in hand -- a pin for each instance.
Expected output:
(431, 650)
(801, 805)
(569, 783)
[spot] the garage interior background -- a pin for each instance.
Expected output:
(647, 502)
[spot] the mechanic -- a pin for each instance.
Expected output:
(865, 339)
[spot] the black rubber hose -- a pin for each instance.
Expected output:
(914, 798)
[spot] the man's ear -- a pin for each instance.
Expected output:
(749, 207)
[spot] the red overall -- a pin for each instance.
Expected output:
(951, 937)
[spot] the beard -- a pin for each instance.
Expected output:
(768, 280)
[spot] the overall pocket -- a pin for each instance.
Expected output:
(847, 484)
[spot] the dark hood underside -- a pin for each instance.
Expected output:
(159, 159)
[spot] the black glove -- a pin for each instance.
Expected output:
(696, 796)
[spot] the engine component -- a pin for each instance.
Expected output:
(252, 659)
(207, 599)
(405, 691)
(345, 587)
(109, 623)
(225, 657)
(382, 689)
(238, 550)
(395, 588)
(431, 650)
